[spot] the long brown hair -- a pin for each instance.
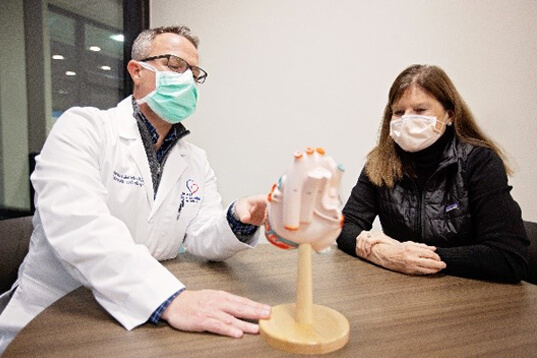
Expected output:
(384, 166)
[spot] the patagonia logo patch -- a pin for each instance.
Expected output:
(452, 207)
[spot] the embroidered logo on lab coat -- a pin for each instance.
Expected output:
(188, 195)
(128, 179)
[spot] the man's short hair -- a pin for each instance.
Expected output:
(141, 48)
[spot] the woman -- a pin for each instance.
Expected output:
(439, 187)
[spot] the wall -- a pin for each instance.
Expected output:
(285, 74)
(13, 115)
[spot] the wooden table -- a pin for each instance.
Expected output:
(390, 314)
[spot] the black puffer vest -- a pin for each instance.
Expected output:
(440, 215)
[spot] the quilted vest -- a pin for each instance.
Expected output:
(440, 215)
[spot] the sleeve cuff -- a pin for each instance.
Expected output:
(155, 317)
(241, 230)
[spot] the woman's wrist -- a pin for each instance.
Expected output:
(377, 255)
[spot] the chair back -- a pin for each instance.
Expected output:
(531, 231)
(14, 242)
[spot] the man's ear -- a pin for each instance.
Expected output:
(134, 68)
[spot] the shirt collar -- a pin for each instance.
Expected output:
(177, 130)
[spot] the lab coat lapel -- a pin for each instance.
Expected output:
(129, 135)
(173, 169)
(138, 154)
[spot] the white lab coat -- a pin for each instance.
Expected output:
(98, 223)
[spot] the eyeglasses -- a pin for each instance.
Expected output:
(177, 64)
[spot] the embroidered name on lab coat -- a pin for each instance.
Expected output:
(128, 179)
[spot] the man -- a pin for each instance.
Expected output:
(118, 190)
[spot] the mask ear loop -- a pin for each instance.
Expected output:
(147, 66)
(153, 69)
(443, 121)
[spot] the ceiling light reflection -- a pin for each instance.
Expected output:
(118, 37)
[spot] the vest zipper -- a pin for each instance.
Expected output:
(419, 221)
(422, 210)
(422, 200)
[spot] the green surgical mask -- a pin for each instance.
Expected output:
(175, 95)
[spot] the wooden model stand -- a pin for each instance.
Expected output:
(303, 327)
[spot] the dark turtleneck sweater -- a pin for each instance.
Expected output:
(498, 251)
(422, 164)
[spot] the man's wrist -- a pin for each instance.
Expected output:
(241, 230)
(157, 314)
(233, 212)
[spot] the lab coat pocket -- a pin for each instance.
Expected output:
(190, 201)
(184, 212)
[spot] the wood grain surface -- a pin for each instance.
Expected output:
(390, 314)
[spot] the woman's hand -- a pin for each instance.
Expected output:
(366, 240)
(407, 257)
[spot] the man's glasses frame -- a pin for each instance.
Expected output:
(180, 66)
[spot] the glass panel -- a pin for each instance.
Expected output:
(87, 61)
(64, 62)
(62, 29)
(50, 70)
(106, 42)
(103, 63)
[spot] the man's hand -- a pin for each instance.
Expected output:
(407, 257)
(214, 311)
(252, 209)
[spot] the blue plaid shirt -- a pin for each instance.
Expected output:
(241, 230)
(149, 135)
(168, 141)
(155, 317)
